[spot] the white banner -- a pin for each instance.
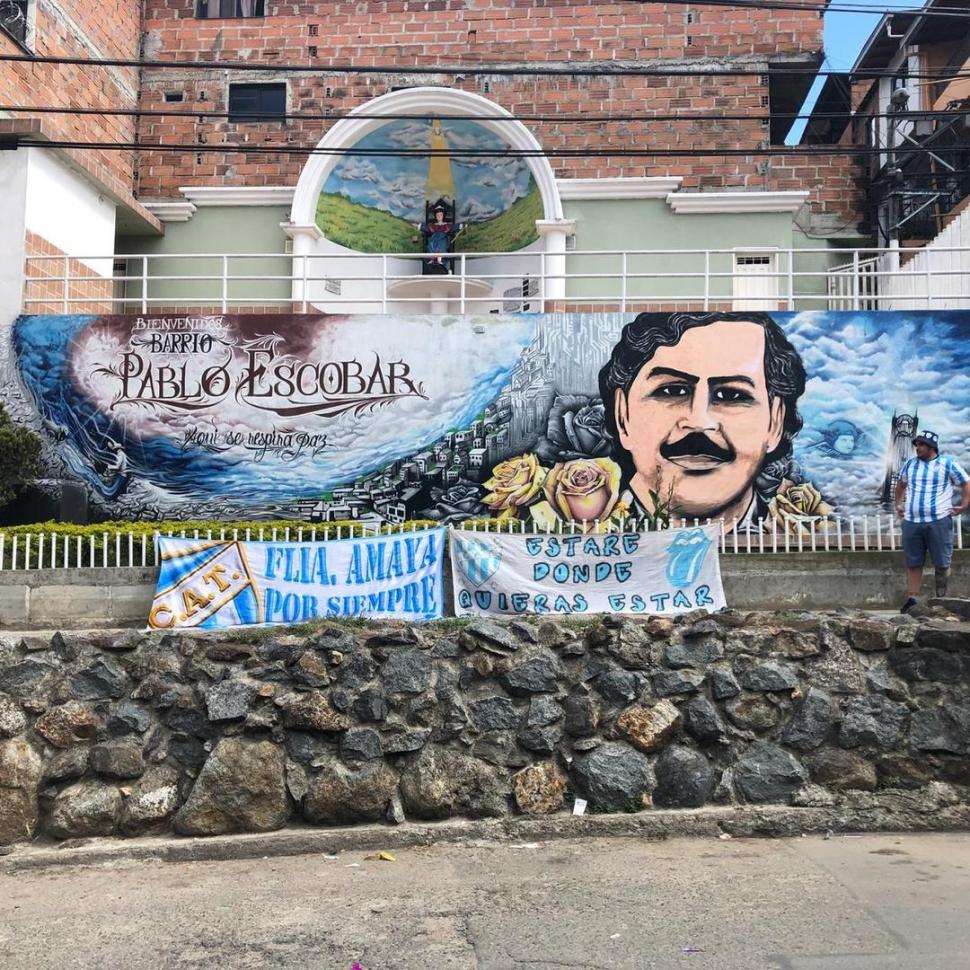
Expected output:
(655, 572)
(213, 584)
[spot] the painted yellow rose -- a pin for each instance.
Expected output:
(514, 484)
(583, 490)
(799, 508)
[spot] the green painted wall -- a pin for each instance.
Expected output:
(214, 229)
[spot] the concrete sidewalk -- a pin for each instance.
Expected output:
(875, 902)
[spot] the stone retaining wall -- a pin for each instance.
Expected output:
(119, 733)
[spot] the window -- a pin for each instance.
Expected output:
(257, 102)
(211, 9)
(15, 19)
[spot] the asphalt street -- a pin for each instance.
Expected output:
(875, 902)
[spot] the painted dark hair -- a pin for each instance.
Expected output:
(640, 340)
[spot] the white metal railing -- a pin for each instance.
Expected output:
(789, 279)
(795, 534)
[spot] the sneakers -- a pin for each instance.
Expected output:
(908, 605)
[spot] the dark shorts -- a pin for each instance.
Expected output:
(933, 537)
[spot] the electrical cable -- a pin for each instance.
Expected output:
(605, 69)
(837, 6)
(776, 151)
(254, 117)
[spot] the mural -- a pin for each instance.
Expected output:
(749, 417)
(376, 203)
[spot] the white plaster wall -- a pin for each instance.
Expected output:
(69, 212)
(13, 195)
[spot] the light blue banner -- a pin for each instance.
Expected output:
(215, 584)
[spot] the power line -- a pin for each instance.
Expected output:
(252, 117)
(838, 6)
(605, 69)
(777, 151)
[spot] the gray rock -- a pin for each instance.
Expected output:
(684, 778)
(494, 713)
(152, 801)
(341, 795)
(129, 718)
(613, 777)
(407, 672)
(540, 740)
(446, 649)
(875, 721)
(20, 773)
(499, 748)
(697, 651)
(189, 722)
(443, 782)
(813, 723)
(84, 809)
(702, 721)
(649, 728)
(403, 740)
(371, 705)
(752, 712)
(297, 781)
(488, 635)
(945, 636)
(395, 811)
(668, 683)
(65, 725)
(767, 773)
(28, 678)
(926, 664)
(360, 744)
(12, 718)
(241, 788)
(841, 770)
(310, 670)
(357, 670)
(102, 678)
(66, 765)
(617, 686)
(118, 759)
(723, 683)
(770, 676)
(304, 747)
(582, 715)
(839, 670)
(538, 675)
(942, 729)
(229, 700)
(543, 711)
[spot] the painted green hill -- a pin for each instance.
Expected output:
(370, 230)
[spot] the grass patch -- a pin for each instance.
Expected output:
(514, 229)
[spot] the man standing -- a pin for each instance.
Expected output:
(924, 500)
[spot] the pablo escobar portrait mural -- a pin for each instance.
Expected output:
(783, 420)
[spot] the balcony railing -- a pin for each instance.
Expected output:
(937, 277)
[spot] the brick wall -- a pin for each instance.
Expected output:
(81, 28)
(45, 288)
(479, 32)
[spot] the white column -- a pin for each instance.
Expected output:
(554, 233)
(304, 246)
(13, 215)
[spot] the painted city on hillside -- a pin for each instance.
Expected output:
(791, 418)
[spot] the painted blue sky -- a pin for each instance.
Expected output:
(485, 187)
(845, 36)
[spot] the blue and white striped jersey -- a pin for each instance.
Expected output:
(929, 487)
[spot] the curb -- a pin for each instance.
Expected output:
(726, 822)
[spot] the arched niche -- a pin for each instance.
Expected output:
(324, 270)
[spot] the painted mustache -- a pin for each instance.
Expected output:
(696, 447)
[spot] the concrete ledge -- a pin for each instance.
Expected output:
(747, 821)
(94, 598)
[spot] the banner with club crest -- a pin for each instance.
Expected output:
(669, 572)
(213, 584)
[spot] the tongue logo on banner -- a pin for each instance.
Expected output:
(685, 557)
(477, 559)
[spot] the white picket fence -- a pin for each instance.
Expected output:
(804, 534)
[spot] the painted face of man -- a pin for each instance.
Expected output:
(698, 420)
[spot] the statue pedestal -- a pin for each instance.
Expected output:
(440, 294)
